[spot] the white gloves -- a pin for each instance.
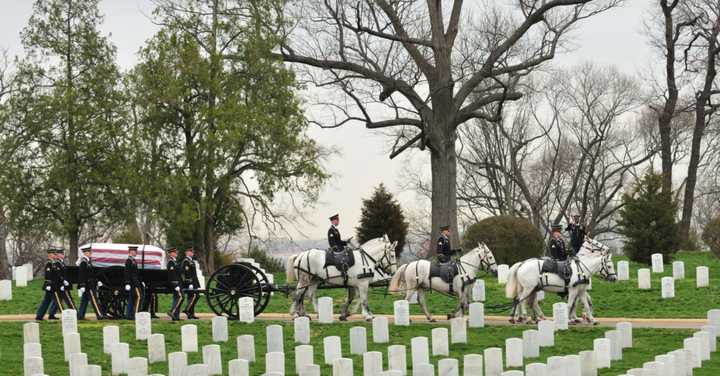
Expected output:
(99, 284)
(82, 290)
(66, 283)
(127, 287)
(62, 288)
(143, 283)
(177, 288)
(191, 287)
(48, 288)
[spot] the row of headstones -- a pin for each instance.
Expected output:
(702, 279)
(21, 275)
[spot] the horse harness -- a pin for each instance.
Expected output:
(365, 258)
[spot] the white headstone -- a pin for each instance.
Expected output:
(69, 321)
(493, 361)
(560, 316)
(531, 343)
(616, 342)
(196, 370)
(602, 347)
(667, 362)
(92, 370)
(71, 344)
(713, 317)
(372, 363)
(275, 362)
(6, 289)
(303, 357)
(678, 268)
(702, 276)
(713, 336)
(220, 329)
(556, 365)
(458, 330)
(77, 363)
(189, 338)
(440, 342)
(311, 370)
(644, 279)
(546, 333)
(573, 365)
(540, 296)
(31, 332)
(472, 365)
(503, 271)
(512, 373)
(246, 310)
(358, 340)
(413, 298)
(478, 291)
(402, 312)
(514, 352)
(657, 263)
(302, 330)
(397, 358)
(704, 338)
(143, 326)
(332, 349)
(587, 363)
(212, 357)
(111, 336)
(380, 330)
(33, 366)
(651, 369)
(449, 367)
(274, 338)
(626, 333)
(477, 315)
(239, 367)
(325, 310)
(21, 276)
(119, 357)
(623, 270)
(246, 347)
(32, 350)
(668, 287)
(343, 367)
(694, 347)
(536, 369)
(137, 366)
(177, 361)
(156, 348)
(423, 370)
(420, 354)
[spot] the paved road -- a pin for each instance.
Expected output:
(489, 320)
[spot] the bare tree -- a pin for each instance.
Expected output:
(6, 79)
(426, 67)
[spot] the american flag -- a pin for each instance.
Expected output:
(114, 254)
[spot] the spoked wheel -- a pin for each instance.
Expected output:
(232, 282)
(113, 301)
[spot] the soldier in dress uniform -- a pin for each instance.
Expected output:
(444, 250)
(50, 288)
(190, 281)
(133, 285)
(174, 282)
(334, 240)
(65, 286)
(576, 230)
(87, 285)
(558, 250)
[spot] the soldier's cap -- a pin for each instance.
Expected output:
(444, 228)
(556, 227)
(576, 215)
(132, 248)
(171, 249)
(50, 251)
(59, 251)
(86, 249)
(334, 217)
(189, 247)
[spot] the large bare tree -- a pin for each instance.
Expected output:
(425, 68)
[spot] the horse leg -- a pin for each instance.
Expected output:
(423, 304)
(587, 304)
(536, 308)
(344, 313)
(572, 305)
(363, 293)
(311, 294)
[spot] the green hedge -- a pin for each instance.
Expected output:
(510, 239)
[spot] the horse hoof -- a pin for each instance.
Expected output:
(512, 321)
(432, 320)
(449, 316)
(343, 318)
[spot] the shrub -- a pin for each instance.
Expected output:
(510, 239)
(647, 220)
(382, 214)
(711, 235)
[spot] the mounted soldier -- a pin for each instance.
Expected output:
(446, 269)
(576, 230)
(338, 254)
(88, 285)
(50, 287)
(556, 246)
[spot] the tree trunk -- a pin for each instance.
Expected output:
(443, 165)
(209, 246)
(74, 237)
(4, 263)
(668, 111)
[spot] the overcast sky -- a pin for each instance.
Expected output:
(362, 163)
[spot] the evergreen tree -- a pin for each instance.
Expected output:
(647, 220)
(381, 214)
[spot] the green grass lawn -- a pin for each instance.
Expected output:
(647, 344)
(621, 299)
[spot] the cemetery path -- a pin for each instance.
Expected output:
(489, 320)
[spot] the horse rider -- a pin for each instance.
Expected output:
(190, 281)
(444, 250)
(558, 250)
(174, 282)
(334, 240)
(50, 287)
(133, 285)
(576, 230)
(87, 285)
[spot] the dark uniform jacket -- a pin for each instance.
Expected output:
(189, 273)
(62, 275)
(558, 251)
(86, 274)
(577, 235)
(173, 275)
(443, 249)
(132, 274)
(51, 275)
(334, 239)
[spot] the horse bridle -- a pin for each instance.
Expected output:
(380, 263)
(482, 256)
(599, 247)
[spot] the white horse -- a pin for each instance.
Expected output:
(414, 277)
(526, 279)
(374, 261)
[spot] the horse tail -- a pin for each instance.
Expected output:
(512, 284)
(397, 283)
(290, 269)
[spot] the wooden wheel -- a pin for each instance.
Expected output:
(232, 282)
